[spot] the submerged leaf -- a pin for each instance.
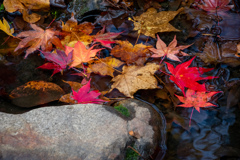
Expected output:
(151, 22)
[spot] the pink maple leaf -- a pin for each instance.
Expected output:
(84, 95)
(215, 5)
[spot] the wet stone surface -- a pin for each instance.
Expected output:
(74, 132)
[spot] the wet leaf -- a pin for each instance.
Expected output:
(168, 51)
(106, 38)
(38, 38)
(214, 53)
(196, 99)
(25, 5)
(105, 66)
(150, 22)
(84, 95)
(81, 54)
(67, 98)
(35, 93)
(134, 78)
(185, 76)
(216, 5)
(59, 61)
(77, 32)
(137, 54)
(4, 26)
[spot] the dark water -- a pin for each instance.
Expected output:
(214, 132)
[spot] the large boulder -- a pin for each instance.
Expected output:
(83, 131)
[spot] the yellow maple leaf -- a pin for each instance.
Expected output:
(134, 78)
(4, 26)
(151, 22)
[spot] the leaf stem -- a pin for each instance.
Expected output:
(191, 118)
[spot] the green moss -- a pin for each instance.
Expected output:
(1, 7)
(131, 154)
(123, 110)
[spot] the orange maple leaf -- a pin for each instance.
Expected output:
(170, 51)
(137, 54)
(38, 38)
(81, 54)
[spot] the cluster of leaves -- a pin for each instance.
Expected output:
(75, 47)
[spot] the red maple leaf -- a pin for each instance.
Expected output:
(215, 5)
(59, 61)
(196, 100)
(106, 38)
(169, 51)
(84, 95)
(185, 76)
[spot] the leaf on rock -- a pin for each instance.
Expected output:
(105, 66)
(24, 6)
(225, 53)
(216, 5)
(38, 38)
(77, 32)
(81, 54)
(106, 38)
(151, 22)
(134, 78)
(168, 51)
(35, 93)
(84, 95)
(4, 26)
(185, 76)
(59, 61)
(196, 99)
(137, 54)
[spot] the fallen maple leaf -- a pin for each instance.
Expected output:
(196, 100)
(215, 5)
(137, 54)
(60, 61)
(81, 54)
(151, 22)
(38, 38)
(185, 76)
(106, 38)
(77, 32)
(170, 51)
(104, 66)
(84, 95)
(4, 26)
(134, 78)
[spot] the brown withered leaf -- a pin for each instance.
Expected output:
(38, 38)
(151, 22)
(137, 54)
(35, 93)
(225, 53)
(134, 78)
(77, 32)
(104, 66)
(24, 5)
(67, 97)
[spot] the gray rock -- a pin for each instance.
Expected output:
(74, 132)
